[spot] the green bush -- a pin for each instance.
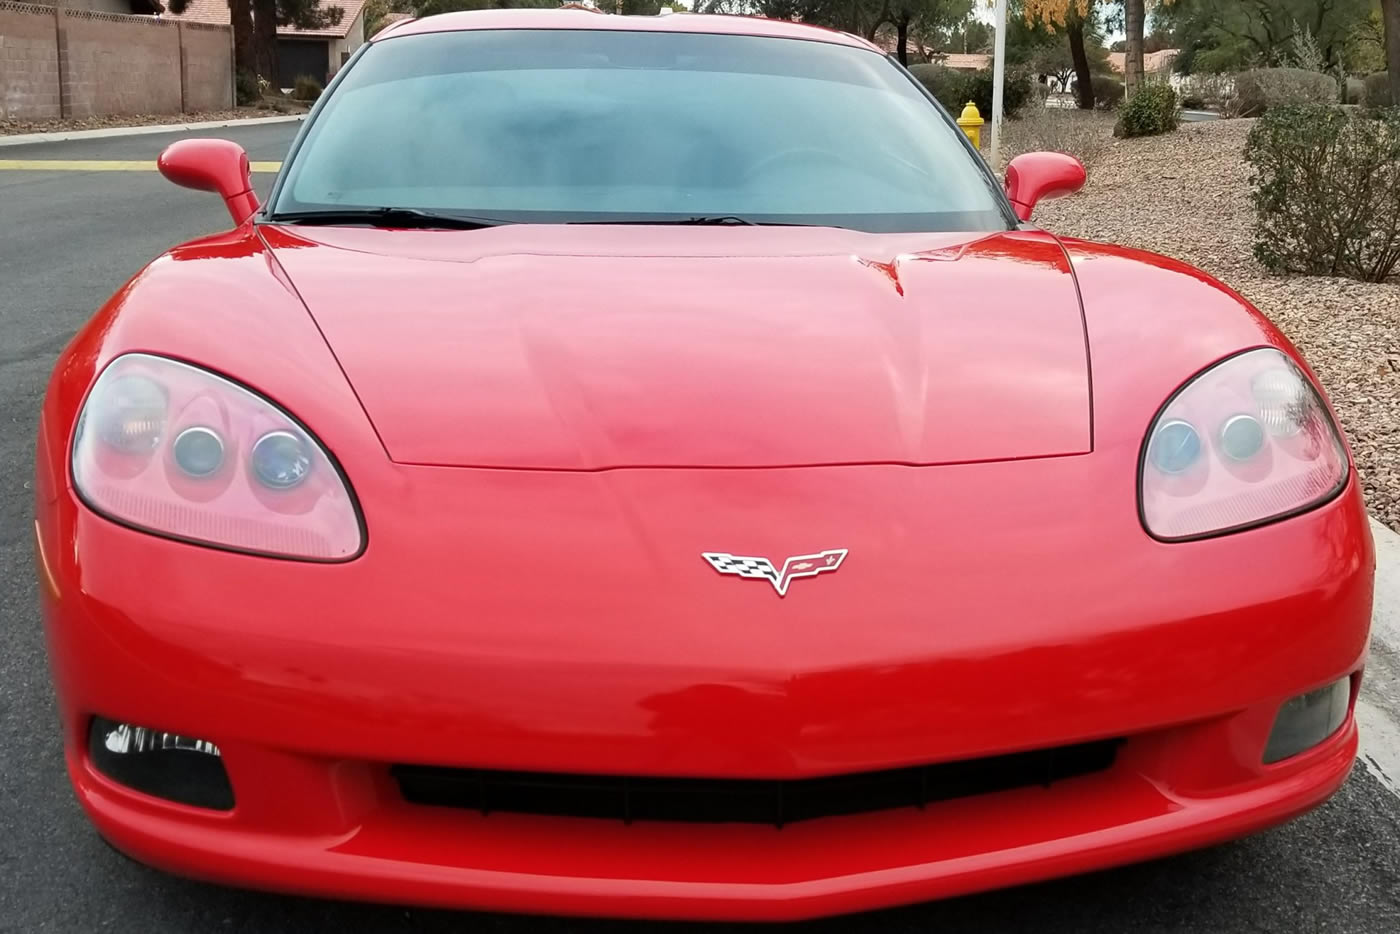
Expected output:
(306, 88)
(955, 88)
(1327, 191)
(1263, 89)
(245, 88)
(1378, 90)
(1108, 92)
(1151, 110)
(1355, 91)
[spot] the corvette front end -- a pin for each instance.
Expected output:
(801, 539)
(461, 637)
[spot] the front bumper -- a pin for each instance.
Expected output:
(988, 620)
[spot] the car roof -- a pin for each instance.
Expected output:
(581, 18)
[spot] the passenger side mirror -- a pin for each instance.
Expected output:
(1035, 176)
(216, 165)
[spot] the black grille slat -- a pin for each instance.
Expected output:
(752, 801)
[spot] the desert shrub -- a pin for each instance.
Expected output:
(1263, 89)
(1108, 91)
(1084, 134)
(1206, 90)
(1378, 90)
(1327, 191)
(1151, 110)
(955, 88)
(245, 88)
(306, 88)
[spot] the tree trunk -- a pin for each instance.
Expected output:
(1083, 77)
(902, 43)
(1390, 12)
(241, 18)
(265, 39)
(1133, 22)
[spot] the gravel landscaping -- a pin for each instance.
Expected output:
(1186, 194)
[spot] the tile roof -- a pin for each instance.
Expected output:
(216, 12)
(966, 61)
(352, 10)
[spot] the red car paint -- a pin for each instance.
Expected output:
(538, 487)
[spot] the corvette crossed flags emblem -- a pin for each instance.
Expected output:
(763, 569)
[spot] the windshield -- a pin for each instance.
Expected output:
(560, 126)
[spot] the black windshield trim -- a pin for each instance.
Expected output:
(388, 216)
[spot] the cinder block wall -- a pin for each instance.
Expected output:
(208, 67)
(28, 62)
(82, 63)
(114, 64)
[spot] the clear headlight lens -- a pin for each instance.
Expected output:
(176, 450)
(1246, 441)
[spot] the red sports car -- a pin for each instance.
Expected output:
(651, 466)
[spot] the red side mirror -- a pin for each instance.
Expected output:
(216, 165)
(1036, 176)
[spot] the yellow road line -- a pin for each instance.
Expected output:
(101, 165)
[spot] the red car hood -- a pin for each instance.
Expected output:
(585, 347)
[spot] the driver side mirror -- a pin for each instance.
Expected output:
(1036, 176)
(216, 165)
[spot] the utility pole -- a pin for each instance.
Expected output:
(998, 80)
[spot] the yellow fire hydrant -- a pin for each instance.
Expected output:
(971, 122)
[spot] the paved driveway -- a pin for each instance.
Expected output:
(67, 240)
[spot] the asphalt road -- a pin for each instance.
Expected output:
(67, 241)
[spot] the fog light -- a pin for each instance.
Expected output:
(1308, 719)
(166, 765)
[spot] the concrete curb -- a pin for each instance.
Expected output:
(1385, 624)
(63, 136)
(1378, 707)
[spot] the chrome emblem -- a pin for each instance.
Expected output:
(763, 569)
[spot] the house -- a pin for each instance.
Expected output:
(887, 40)
(318, 53)
(964, 61)
(1154, 64)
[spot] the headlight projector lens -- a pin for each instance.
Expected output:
(1241, 437)
(198, 451)
(280, 460)
(1175, 447)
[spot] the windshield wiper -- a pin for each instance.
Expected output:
(720, 220)
(388, 217)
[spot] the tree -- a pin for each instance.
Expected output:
(1134, 16)
(971, 35)
(1073, 16)
(1390, 12)
(1055, 62)
(255, 25)
(1232, 35)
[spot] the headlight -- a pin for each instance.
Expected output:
(1246, 441)
(173, 449)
